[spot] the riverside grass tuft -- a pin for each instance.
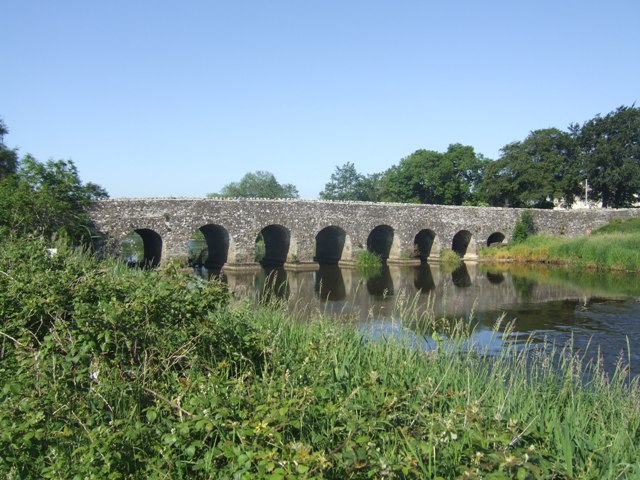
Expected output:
(613, 247)
(368, 263)
(108, 372)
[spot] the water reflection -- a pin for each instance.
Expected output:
(271, 284)
(460, 277)
(495, 277)
(553, 304)
(329, 283)
(423, 279)
(380, 286)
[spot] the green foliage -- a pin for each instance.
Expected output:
(450, 259)
(258, 184)
(617, 225)
(368, 264)
(8, 157)
(524, 227)
(610, 156)
(604, 251)
(347, 184)
(437, 178)
(107, 372)
(368, 259)
(534, 172)
(47, 199)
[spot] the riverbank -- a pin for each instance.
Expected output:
(613, 247)
(112, 372)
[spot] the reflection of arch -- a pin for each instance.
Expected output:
(381, 285)
(329, 284)
(495, 238)
(423, 242)
(423, 279)
(151, 249)
(276, 245)
(272, 285)
(495, 277)
(380, 240)
(460, 277)
(217, 246)
(330, 245)
(461, 241)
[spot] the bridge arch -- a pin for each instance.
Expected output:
(216, 243)
(277, 240)
(496, 238)
(330, 245)
(381, 240)
(463, 244)
(145, 250)
(423, 244)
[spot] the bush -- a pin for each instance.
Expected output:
(524, 227)
(91, 351)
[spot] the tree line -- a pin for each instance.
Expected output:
(549, 167)
(43, 199)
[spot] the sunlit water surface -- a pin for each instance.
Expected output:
(599, 312)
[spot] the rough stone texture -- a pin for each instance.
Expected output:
(176, 219)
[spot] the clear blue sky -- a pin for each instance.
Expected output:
(167, 98)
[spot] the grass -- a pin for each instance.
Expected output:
(113, 373)
(613, 247)
(368, 264)
(450, 259)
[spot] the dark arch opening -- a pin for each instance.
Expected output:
(209, 247)
(496, 238)
(380, 240)
(329, 245)
(276, 245)
(142, 248)
(461, 242)
(423, 242)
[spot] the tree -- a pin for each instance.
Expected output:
(47, 199)
(347, 184)
(610, 156)
(427, 176)
(534, 172)
(258, 184)
(8, 157)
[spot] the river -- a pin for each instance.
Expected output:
(597, 311)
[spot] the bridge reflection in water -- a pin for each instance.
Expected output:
(550, 303)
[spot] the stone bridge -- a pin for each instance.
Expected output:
(301, 234)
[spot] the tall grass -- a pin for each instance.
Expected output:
(141, 374)
(612, 251)
(368, 264)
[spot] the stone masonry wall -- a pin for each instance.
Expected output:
(176, 219)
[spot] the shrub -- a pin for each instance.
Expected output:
(524, 227)
(450, 259)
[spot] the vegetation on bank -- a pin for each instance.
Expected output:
(613, 247)
(110, 372)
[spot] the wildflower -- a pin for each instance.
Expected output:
(262, 425)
